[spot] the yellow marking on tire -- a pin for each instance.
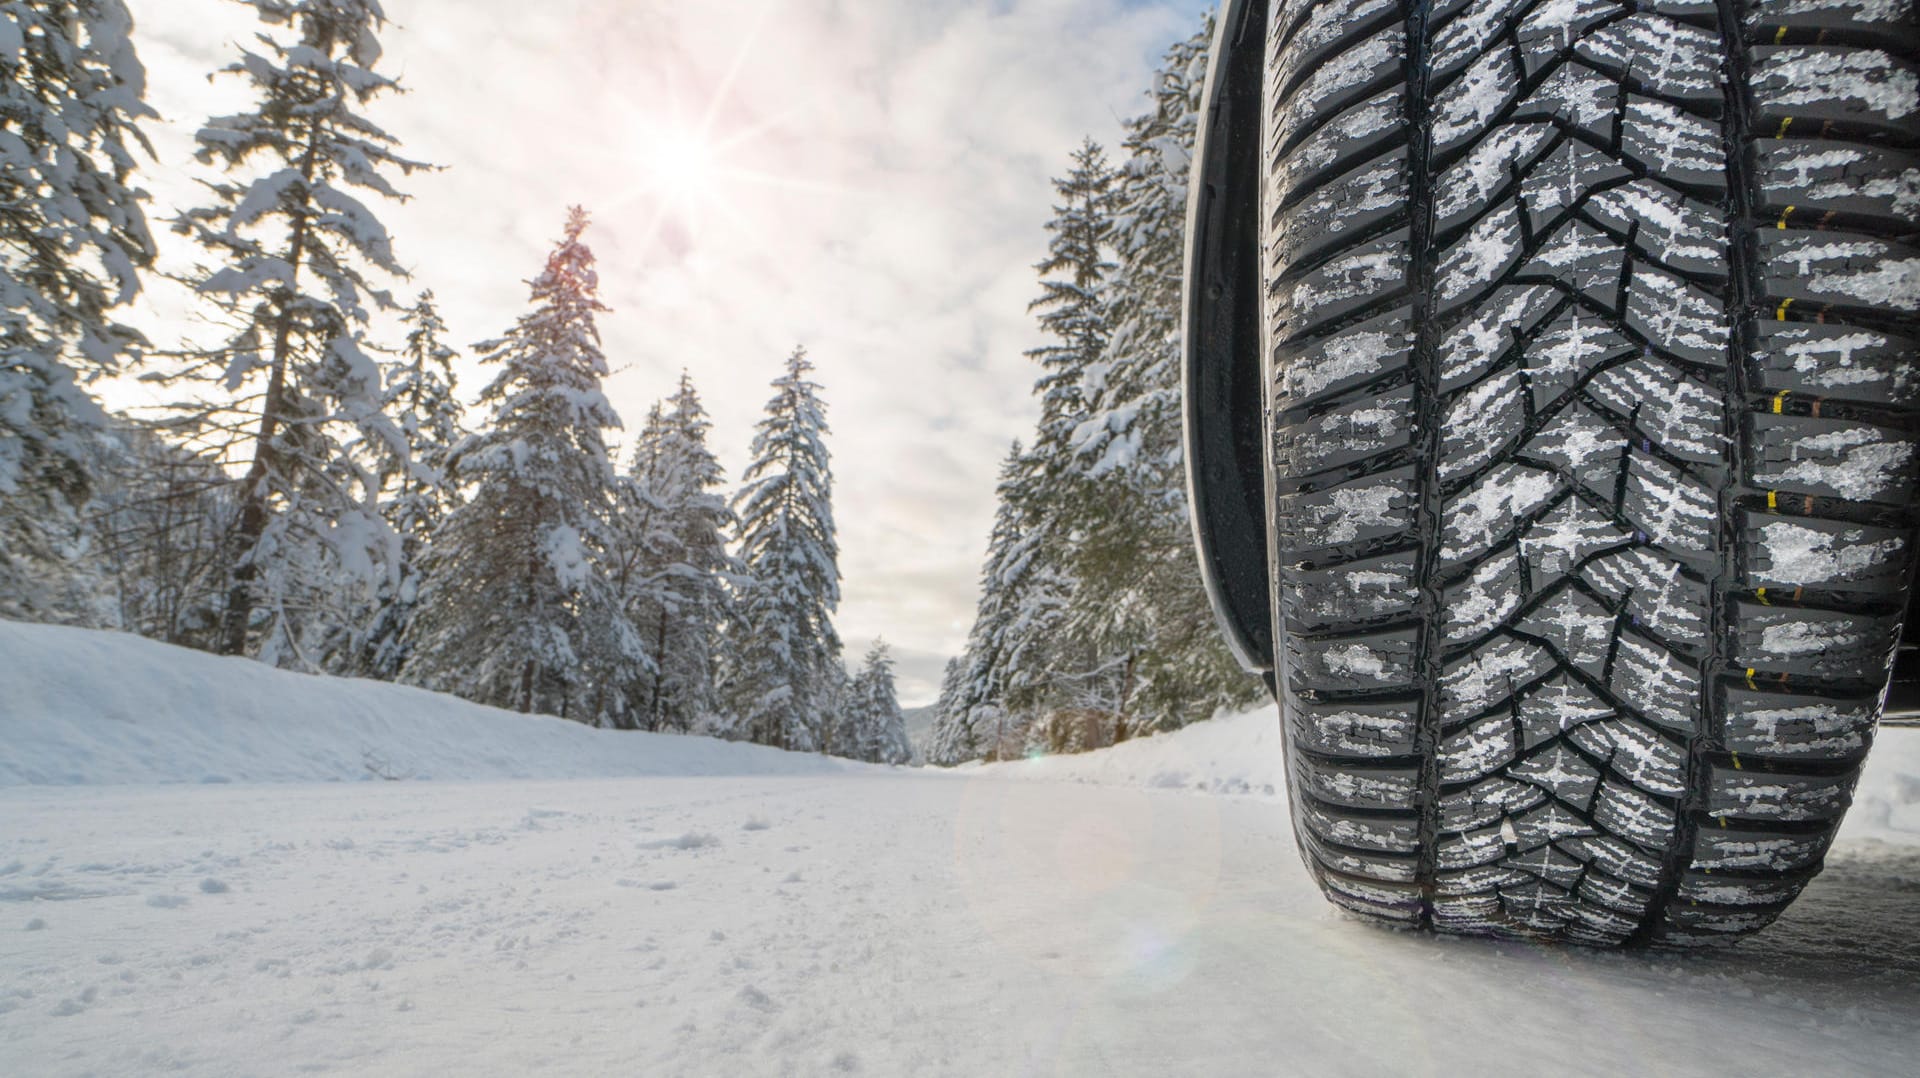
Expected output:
(1781, 36)
(1773, 500)
(1781, 314)
(1784, 124)
(1780, 401)
(1762, 596)
(1736, 762)
(1783, 218)
(1750, 683)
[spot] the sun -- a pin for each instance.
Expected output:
(682, 164)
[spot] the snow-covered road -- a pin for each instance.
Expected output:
(867, 922)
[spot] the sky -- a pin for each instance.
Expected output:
(867, 178)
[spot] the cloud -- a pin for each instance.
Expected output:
(886, 182)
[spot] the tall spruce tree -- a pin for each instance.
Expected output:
(296, 255)
(73, 239)
(1139, 603)
(785, 649)
(516, 608)
(682, 598)
(418, 487)
(876, 729)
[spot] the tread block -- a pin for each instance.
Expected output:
(1837, 361)
(1803, 180)
(1582, 446)
(1645, 758)
(1572, 532)
(1366, 428)
(1353, 663)
(1662, 687)
(1333, 365)
(1809, 552)
(1358, 73)
(1486, 803)
(1379, 900)
(1385, 867)
(1577, 627)
(1498, 505)
(1362, 591)
(1344, 284)
(1734, 793)
(1480, 422)
(1350, 139)
(1565, 179)
(1674, 509)
(1478, 749)
(1622, 870)
(1328, 28)
(1467, 186)
(1368, 730)
(1675, 60)
(1679, 414)
(1493, 328)
(1366, 788)
(1808, 642)
(1677, 318)
(1681, 147)
(1492, 674)
(1829, 14)
(1832, 458)
(1374, 508)
(1862, 88)
(1356, 829)
(1485, 600)
(1560, 707)
(1658, 594)
(1349, 205)
(1719, 850)
(1820, 268)
(1701, 889)
(1783, 727)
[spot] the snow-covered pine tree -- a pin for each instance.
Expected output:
(297, 398)
(516, 608)
(1139, 602)
(1042, 668)
(1007, 674)
(785, 648)
(73, 239)
(952, 741)
(678, 597)
(417, 488)
(878, 728)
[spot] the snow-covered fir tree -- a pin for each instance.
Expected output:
(1139, 603)
(297, 253)
(516, 608)
(1092, 624)
(73, 239)
(875, 728)
(418, 487)
(951, 740)
(784, 649)
(1022, 600)
(673, 567)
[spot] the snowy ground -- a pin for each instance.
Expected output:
(1139, 912)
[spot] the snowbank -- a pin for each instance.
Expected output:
(91, 708)
(1238, 754)
(1241, 754)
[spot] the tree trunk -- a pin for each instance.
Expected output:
(238, 616)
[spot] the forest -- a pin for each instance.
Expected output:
(318, 493)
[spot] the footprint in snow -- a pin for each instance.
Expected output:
(166, 902)
(212, 886)
(755, 823)
(692, 840)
